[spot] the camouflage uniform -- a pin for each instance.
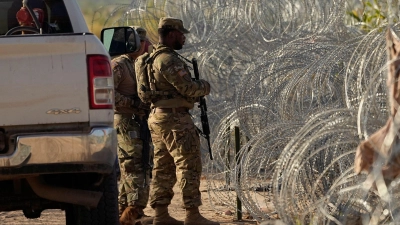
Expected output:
(174, 135)
(129, 110)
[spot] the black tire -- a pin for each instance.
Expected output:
(32, 213)
(106, 212)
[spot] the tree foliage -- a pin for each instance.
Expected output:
(370, 14)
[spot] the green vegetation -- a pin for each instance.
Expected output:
(102, 13)
(370, 14)
(94, 14)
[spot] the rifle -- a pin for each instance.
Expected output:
(203, 108)
(145, 136)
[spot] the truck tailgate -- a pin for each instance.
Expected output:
(43, 80)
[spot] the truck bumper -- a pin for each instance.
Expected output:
(62, 153)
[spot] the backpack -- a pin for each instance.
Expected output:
(146, 87)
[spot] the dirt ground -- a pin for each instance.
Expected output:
(57, 217)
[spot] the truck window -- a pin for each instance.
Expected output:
(53, 16)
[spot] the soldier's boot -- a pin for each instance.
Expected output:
(162, 217)
(193, 217)
(130, 215)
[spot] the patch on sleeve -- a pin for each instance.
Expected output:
(182, 73)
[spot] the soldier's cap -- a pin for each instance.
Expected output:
(141, 31)
(172, 23)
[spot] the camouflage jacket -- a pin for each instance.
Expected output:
(126, 98)
(172, 75)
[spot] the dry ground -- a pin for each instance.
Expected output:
(57, 217)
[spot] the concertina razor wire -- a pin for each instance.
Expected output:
(303, 86)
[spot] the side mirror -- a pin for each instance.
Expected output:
(120, 40)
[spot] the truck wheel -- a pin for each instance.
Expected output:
(32, 213)
(106, 212)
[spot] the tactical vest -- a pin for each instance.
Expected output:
(146, 83)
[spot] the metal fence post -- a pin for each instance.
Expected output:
(237, 148)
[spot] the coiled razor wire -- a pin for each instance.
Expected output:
(365, 85)
(303, 87)
(311, 163)
(254, 174)
(298, 80)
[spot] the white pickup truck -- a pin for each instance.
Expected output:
(57, 141)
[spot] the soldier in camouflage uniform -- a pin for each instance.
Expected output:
(174, 135)
(129, 111)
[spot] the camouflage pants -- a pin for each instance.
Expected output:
(134, 183)
(176, 158)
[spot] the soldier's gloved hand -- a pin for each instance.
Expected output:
(204, 86)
